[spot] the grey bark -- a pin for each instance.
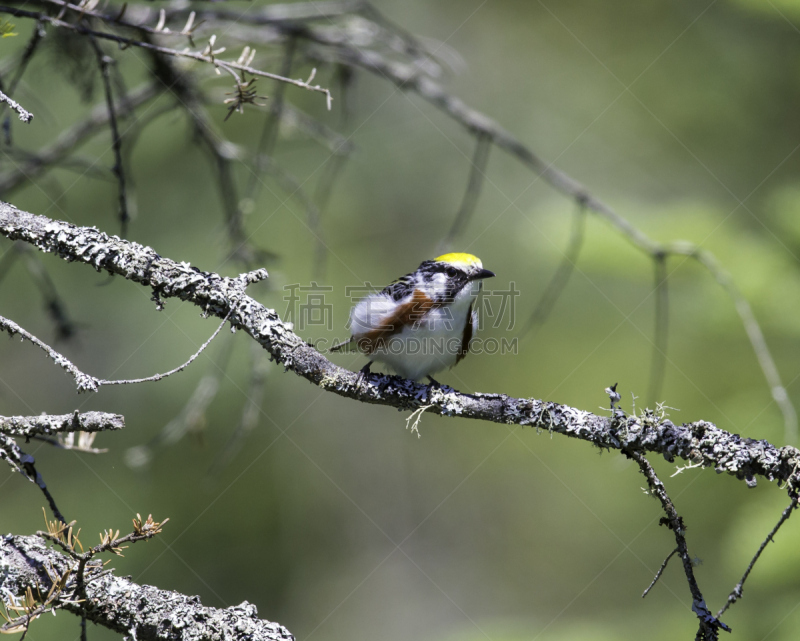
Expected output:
(700, 442)
(49, 424)
(141, 611)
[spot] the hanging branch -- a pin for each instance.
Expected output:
(477, 172)
(661, 330)
(117, 168)
(561, 277)
(87, 383)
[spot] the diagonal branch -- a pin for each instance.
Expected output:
(24, 115)
(701, 442)
(736, 593)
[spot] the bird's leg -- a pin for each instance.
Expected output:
(435, 383)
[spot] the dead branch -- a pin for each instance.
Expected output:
(207, 55)
(24, 115)
(141, 611)
(49, 424)
(709, 624)
(700, 442)
(88, 383)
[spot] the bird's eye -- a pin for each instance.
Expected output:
(451, 272)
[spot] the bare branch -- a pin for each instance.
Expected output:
(209, 57)
(180, 368)
(709, 625)
(24, 463)
(477, 171)
(24, 115)
(698, 442)
(84, 381)
(104, 62)
(736, 594)
(661, 330)
(562, 274)
(141, 611)
(87, 383)
(659, 573)
(48, 424)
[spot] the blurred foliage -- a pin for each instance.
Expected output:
(333, 519)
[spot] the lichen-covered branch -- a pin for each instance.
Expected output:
(48, 424)
(24, 114)
(142, 611)
(700, 442)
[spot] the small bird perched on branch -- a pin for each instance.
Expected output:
(424, 321)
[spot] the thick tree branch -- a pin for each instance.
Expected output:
(700, 442)
(141, 611)
(48, 424)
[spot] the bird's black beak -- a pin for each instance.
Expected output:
(484, 273)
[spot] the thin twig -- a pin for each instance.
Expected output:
(709, 625)
(561, 277)
(659, 573)
(180, 368)
(191, 417)
(90, 383)
(251, 412)
(477, 172)
(25, 464)
(736, 594)
(84, 381)
(209, 58)
(24, 114)
(333, 167)
(53, 302)
(661, 330)
(117, 169)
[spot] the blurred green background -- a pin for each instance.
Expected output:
(333, 518)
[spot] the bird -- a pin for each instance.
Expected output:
(422, 322)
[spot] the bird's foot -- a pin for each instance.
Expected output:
(437, 385)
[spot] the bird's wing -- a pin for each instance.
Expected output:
(400, 288)
(385, 320)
